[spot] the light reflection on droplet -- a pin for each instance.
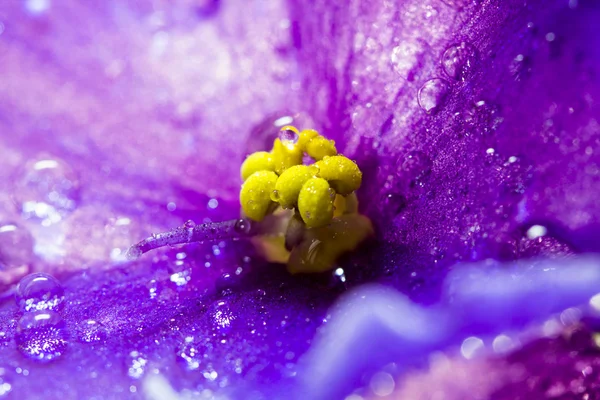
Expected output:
(41, 335)
(39, 291)
(595, 302)
(137, 365)
(458, 60)
(16, 252)
(536, 231)
(502, 344)
(432, 94)
(382, 384)
(37, 7)
(570, 316)
(340, 274)
(46, 190)
(471, 346)
(213, 203)
(222, 315)
(283, 121)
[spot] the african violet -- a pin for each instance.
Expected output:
(475, 126)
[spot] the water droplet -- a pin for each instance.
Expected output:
(41, 335)
(16, 252)
(393, 204)
(415, 167)
(406, 58)
(46, 190)
(520, 67)
(189, 224)
(137, 365)
(458, 60)
(275, 195)
(483, 117)
(90, 331)
(516, 174)
(5, 385)
(536, 231)
(432, 94)
(288, 136)
(382, 384)
(226, 282)
(37, 7)
(181, 278)
(471, 347)
(213, 203)
(190, 353)
(39, 291)
(16, 246)
(261, 135)
(538, 241)
(222, 315)
(339, 276)
(243, 226)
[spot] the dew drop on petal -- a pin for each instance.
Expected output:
(16, 252)
(242, 226)
(39, 291)
(393, 203)
(483, 117)
(5, 385)
(338, 277)
(382, 384)
(37, 7)
(189, 224)
(191, 353)
(91, 331)
(136, 365)
(46, 190)
(16, 246)
(41, 335)
(432, 94)
(471, 347)
(227, 282)
(414, 168)
(221, 315)
(458, 60)
(520, 67)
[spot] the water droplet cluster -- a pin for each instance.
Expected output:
(41, 331)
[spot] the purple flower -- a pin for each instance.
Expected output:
(475, 125)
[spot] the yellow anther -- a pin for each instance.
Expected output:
(255, 195)
(315, 202)
(285, 156)
(259, 161)
(305, 136)
(343, 174)
(319, 148)
(290, 183)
